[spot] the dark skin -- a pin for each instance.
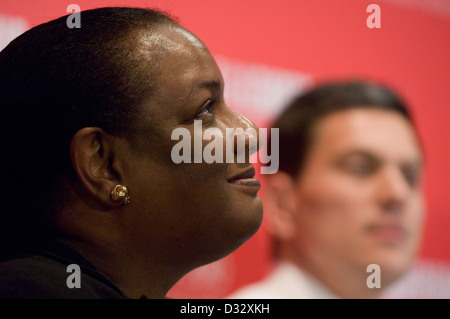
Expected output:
(181, 216)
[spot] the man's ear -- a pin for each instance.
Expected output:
(92, 155)
(281, 205)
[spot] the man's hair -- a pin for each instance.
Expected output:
(299, 119)
(55, 80)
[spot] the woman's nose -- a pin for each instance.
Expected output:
(244, 135)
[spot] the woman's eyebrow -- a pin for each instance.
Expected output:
(212, 85)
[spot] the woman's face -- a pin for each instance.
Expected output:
(187, 211)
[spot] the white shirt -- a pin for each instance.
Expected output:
(287, 281)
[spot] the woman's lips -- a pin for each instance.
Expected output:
(250, 182)
(246, 179)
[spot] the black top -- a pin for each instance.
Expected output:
(39, 270)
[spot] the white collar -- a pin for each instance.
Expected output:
(286, 281)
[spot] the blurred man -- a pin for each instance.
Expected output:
(346, 207)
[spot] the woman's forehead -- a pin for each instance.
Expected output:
(187, 72)
(167, 38)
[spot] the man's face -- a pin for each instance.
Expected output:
(359, 195)
(195, 210)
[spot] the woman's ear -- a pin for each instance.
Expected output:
(92, 156)
(281, 205)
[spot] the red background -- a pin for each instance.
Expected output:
(324, 39)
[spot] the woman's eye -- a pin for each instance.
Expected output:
(206, 109)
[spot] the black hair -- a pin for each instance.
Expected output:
(298, 120)
(55, 80)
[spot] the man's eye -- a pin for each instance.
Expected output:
(206, 109)
(360, 169)
(412, 176)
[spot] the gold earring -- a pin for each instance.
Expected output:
(120, 194)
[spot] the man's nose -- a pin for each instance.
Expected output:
(393, 190)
